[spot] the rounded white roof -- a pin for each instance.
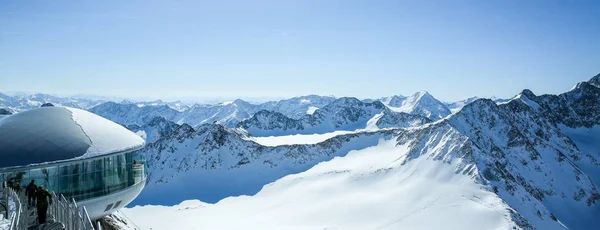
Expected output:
(55, 134)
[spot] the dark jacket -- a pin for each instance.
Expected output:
(30, 190)
(41, 195)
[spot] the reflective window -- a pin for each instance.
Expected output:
(84, 180)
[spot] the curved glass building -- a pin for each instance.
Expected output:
(74, 153)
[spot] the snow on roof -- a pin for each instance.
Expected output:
(106, 136)
(57, 134)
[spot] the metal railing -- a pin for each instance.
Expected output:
(16, 211)
(63, 211)
(69, 214)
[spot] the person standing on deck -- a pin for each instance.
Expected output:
(30, 192)
(42, 196)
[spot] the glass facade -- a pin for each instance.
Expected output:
(84, 179)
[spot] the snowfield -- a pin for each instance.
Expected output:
(4, 223)
(311, 110)
(367, 189)
(296, 139)
(301, 139)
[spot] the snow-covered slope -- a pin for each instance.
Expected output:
(374, 188)
(420, 103)
(296, 139)
(347, 114)
(214, 162)
(577, 114)
(533, 166)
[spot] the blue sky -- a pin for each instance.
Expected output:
(253, 49)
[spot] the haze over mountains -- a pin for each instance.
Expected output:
(226, 113)
(531, 162)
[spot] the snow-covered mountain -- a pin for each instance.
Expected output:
(346, 113)
(421, 103)
(521, 177)
(176, 105)
(131, 114)
(214, 162)
(227, 113)
(528, 163)
(458, 105)
(22, 102)
(576, 113)
(155, 129)
(232, 113)
(595, 81)
(576, 108)
(504, 165)
(535, 168)
(297, 107)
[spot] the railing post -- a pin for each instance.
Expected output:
(65, 211)
(5, 194)
(74, 213)
(87, 220)
(16, 217)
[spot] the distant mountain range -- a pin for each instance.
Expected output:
(342, 114)
(227, 113)
(22, 102)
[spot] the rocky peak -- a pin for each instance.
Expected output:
(420, 103)
(270, 120)
(528, 94)
(240, 102)
(595, 81)
(5, 111)
(157, 120)
(184, 131)
(479, 108)
(421, 94)
(344, 101)
(396, 100)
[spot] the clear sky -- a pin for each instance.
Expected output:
(249, 49)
